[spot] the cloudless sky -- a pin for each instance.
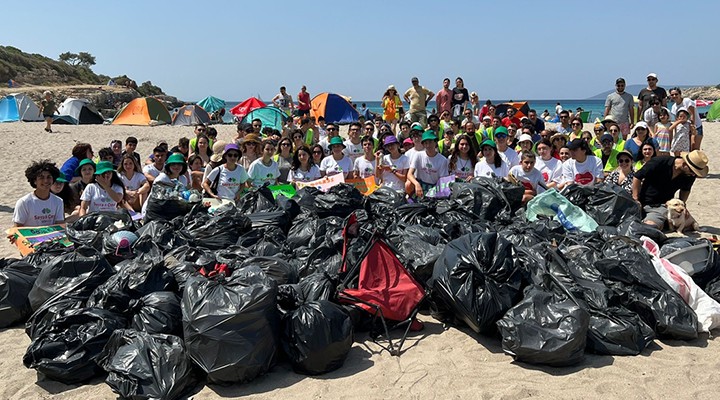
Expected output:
(503, 49)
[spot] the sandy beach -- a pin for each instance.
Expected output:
(439, 363)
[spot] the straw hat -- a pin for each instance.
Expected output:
(558, 136)
(697, 161)
(218, 151)
(251, 138)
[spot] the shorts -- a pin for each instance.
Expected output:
(419, 116)
(657, 215)
(301, 113)
(699, 130)
(625, 129)
(47, 116)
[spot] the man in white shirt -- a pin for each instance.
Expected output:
(426, 167)
(39, 207)
(152, 171)
(353, 147)
(509, 155)
(678, 102)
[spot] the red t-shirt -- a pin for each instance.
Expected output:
(305, 98)
(507, 121)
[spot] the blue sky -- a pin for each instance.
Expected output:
(505, 49)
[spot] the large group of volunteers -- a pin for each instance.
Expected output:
(225, 275)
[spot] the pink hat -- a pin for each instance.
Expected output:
(408, 141)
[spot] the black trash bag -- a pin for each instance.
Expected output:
(382, 204)
(68, 350)
(477, 277)
(289, 298)
(257, 199)
(321, 259)
(713, 289)
(579, 195)
(186, 261)
(530, 233)
(165, 202)
(16, 280)
(218, 231)
(144, 249)
(278, 219)
(157, 312)
(289, 206)
(88, 230)
(265, 242)
(302, 231)
(146, 366)
(163, 234)
(702, 275)
(611, 204)
(635, 229)
(340, 201)
(627, 268)
(83, 270)
(233, 256)
(482, 197)
(231, 324)
(305, 198)
(618, 331)
(317, 337)
(277, 269)
(318, 286)
(418, 248)
(46, 251)
(417, 214)
(545, 328)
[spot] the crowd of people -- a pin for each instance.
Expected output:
(651, 159)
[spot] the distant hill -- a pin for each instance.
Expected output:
(694, 92)
(36, 69)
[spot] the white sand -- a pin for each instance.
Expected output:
(439, 363)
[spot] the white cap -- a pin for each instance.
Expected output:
(391, 87)
(652, 75)
(487, 117)
(525, 138)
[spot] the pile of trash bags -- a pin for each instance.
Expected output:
(191, 296)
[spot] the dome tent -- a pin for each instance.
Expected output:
(211, 104)
(190, 115)
(143, 111)
(18, 107)
(77, 112)
(334, 107)
(269, 116)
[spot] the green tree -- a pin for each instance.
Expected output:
(69, 58)
(86, 59)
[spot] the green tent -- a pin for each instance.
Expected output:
(211, 104)
(713, 113)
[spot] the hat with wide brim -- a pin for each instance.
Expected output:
(175, 158)
(559, 136)
(337, 140)
(697, 161)
(84, 162)
(251, 138)
(429, 135)
(218, 151)
(103, 167)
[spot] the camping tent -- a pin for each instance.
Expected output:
(143, 111)
(522, 108)
(190, 115)
(17, 107)
(77, 112)
(334, 108)
(211, 104)
(270, 116)
(713, 113)
(246, 107)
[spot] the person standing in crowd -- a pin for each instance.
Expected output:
(48, 108)
(392, 168)
(39, 207)
(558, 109)
(460, 99)
(549, 166)
(283, 101)
(434, 125)
(302, 168)
(682, 132)
(463, 159)
(491, 164)
(509, 155)
(474, 104)
(658, 181)
(418, 97)
(607, 153)
(652, 91)
(426, 167)
(318, 153)
(662, 132)
(687, 104)
(443, 99)
(250, 150)
(391, 105)
(332, 131)
(364, 166)
(623, 174)
(174, 172)
(640, 135)
(202, 148)
(536, 122)
(651, 116)
(303, 108)
(621, 106)
(105, 193)
(468, 116)
(511, 118)
(183, 146)
(583, 168)
(564, 125)
(337, 162)
(353, 146)
(227, 180)
(116, 147)
(647, 152)
(576, 125)
(200, 129)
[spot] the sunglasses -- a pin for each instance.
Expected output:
(624, 161)
(613, 131)
(331, 129)
(232, 155)
(564, 116)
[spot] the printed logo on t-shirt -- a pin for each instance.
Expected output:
(232, 180)
(46, 211)
(546, 176)
(270, 176)
(584, 178)
(368, 169)
(527, 185)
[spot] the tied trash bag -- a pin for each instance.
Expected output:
(483, 197)
(16, 280)
(419, 248)
(88, 230)
(163, 234)
(636, 229)
(218, 231)
(553, 204)
(81, 271)
(166, 202)
(157, 312)
(545, 328)
(317, 337)
(340, 201)
(145, 366)
(257, 199)
(476, 276)
(607, 204)
(68, 350)
(277, 269)
(231, 324)
(186, 261)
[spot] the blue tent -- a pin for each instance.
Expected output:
(270, 116)
(16, 107)
(211, 104)
(334, 108)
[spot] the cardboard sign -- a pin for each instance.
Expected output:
(442, 188)
(323, 184)
(27, 237)
(366, 186)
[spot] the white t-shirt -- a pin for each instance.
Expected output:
(510, 156)
(136, 182)
(30, 210)
(582, 173)
(354, 151)
(261, 173)
(482, 168)
(388, 178)
(551, 169)
(325, 145)
(686, 103)
(329, 166)
(530, 179)
(364, 167)
(411, 153)
(429, 169)
(230, 181)
(151, 170)
(182, 179)
(558, 109)
(99, 199)
(299, 175)
(463, 169)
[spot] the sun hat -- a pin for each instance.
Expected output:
(525, 138)
(251, 138)
(416, 126)
(608, 118)
(575, 144)
(488, 142)
(218, 150)
(175, 158)
(501, 131)
(625, 153)
(61, 179)
(85, 161)
(429, 135)
(473, 94)
(558, 136)
(391, 87)
(408, 141)
(641, 124)
(697, 161)
(391, 139)
(231, 146)
(487, 117)
(335, 141)
(606, 136)
(103, 167)
(369, 122)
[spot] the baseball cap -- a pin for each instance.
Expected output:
(606, 136)
(575, 144)
(487, 117)
(407, 142)
(391, 139)
(619, 80)
(414, 79)
(501, 131)
(429, 135)
(652, 75)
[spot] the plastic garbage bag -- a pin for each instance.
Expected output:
(82, 270)
(636, 229)
(302, 231)
(418, 248)
(553, 204)
(483, 197)
(277, 269)
(145, 366)
(611, 205)
(157, 312)
(317, 337)
(218, 231)
(545, 328)
(186, 261)
(318, 286)
(417, 214)
(257, 199)
(231, 324)
(321, 259)
(16, 280)
(233, 256)
(166, 202)
(163, 234)
(68, 350)
(279, 219)
(340, 201)
(88, 230)
(476, 276)
(46, 251)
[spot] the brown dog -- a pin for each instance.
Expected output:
(679, 217)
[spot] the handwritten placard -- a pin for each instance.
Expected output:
(26, 238)
(323, 184)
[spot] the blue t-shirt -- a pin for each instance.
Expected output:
(68, 169)
(634, 148)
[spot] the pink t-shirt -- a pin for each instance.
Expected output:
(305, 98)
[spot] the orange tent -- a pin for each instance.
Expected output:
(334, 108)
(143, 111)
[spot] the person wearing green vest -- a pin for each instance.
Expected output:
(434, 125)
(445, 146)
(607, 153)
(614, 130)
(308, 132)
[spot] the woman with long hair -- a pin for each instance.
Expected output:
(392, 167)
(250, 150)
(265, 169)
(640, 134)
(202, 149)
(647, 152)
(576, 125)
(317, 153)
(136, 185)
(623, 174)
(105, 193)
(491, 164)
(549, 166)
(391, 105)
(463, 159)
(583, 168)
(303, 168)
(284, 157)
(227, 180)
